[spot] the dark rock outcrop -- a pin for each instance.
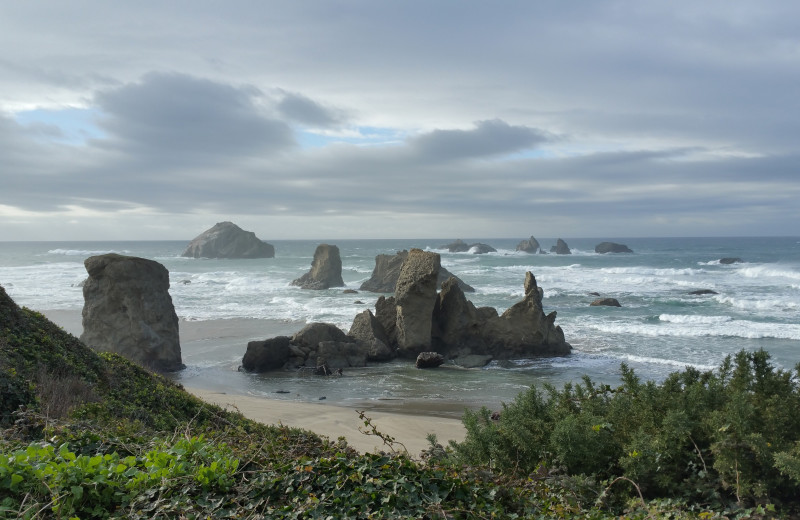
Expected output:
(703, 292)
(387, 271)
(367, 329)
(730, 260)
(561, 248)
(608, 302)
(227, 240)
(270, 354)
(128, 310)
(611, 247)
(529, 246)
(429, 360)
(459, 246)
(326, 270)
(415, 297)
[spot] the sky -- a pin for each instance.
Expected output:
(328, 119)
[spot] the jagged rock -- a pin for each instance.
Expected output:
(326, 270)
(611, 247)
(703, 292)
(387, 270)
(455, 319)
(609, 302)
(368, 330)
(269, 354)
(529, 246)
(429, 360)
(386, 314)
(128, 310)
(227, 240)
(561, 248)
(415, 297)
(459, 246)
(730, 260)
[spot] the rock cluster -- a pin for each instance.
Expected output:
(326, 270)
(227, 240)
(611, 247)
(128, 310)
(419, 320)
(387, 271)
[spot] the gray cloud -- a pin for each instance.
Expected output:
(168, 115)
(306, 111)
(489, 138)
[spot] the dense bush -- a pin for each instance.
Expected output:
(713, 438)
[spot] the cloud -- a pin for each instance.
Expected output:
(177, 115)
(306, 111)
(488, 139)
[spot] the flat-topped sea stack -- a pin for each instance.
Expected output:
(326, 270)
(227, 240)
(611, 247)
(387, 271)
(128, 310)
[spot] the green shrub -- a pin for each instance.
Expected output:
(713, 438)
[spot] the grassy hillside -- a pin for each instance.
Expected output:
(84, 435)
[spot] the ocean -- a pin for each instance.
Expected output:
(660, 328)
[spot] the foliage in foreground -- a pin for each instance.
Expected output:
(88, 436)
(718, 438)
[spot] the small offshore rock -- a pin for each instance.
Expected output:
(703, 291)
(608, 302)
(227, 240)
(730, 260)
(611, 247)
(429, 360)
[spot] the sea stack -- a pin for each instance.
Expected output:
(128, 310)
(326, 270)
(227, 240)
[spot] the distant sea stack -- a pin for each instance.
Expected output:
(326, 270)
(459, 246)
(127, 309)
(227, 240)
(561, 248)
(611, 247)
(529, 246)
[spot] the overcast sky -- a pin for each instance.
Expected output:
(404, 119)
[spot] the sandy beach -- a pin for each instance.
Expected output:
(224, 341)
(337, 421)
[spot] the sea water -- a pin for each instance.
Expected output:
(660, 327)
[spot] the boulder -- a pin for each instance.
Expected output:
(387, 271)
(341, 354)
(270, 354)
(611, 247)
(415, 297)
(326, 270)
(561, 248)
(128, 310)
(313, 334)
(730, 260)
(529, 246)
(366, 328)
(429, 360)
(227, 240)
(608, 302)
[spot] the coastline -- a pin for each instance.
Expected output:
(222, 342)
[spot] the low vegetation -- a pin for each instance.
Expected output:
(94, 436)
